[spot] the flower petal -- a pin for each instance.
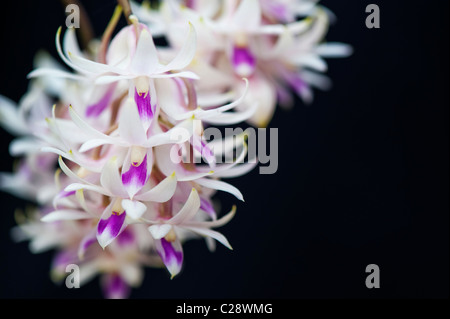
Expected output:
(171, 254)
(248, 15)
(189, 209)
(162, 192)
(109, 228)
(85, 243)
(206, 206)
(186, 54)
(136, 177)
(220, 185)
(130, 127)
(114, 287)
(145, 60)
(110, 178)
(243, 61)
(159, 231)
(97, 108)
(145, 108)
(65, 214)
(134, 209)
(211, 233)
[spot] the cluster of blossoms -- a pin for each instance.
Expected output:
(118, 201)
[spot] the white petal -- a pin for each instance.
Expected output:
(215, 223)
(145, 59)
(183, 74)
(65, 214)
(217, 111)
(85, 126)
(334, 50)
(110, 178)
(211, 233)
(186, 54)
(25, 145)
(233, 117)
(42, 72)
(134, 209)
(10, 118)
(130, 127)
(220, 185)
(70, 42)
(94, 188)
(159, 231)
(161, 192)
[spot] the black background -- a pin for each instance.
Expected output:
(362, 178)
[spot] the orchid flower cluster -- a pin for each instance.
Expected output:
(96, 143)
(277, 44)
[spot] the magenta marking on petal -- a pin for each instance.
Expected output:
(207, 207)
(113, 224)
(172, 258)
(86, 242)
(125, 238)
(244, 62)
(97, 108)
(63, 194)
(208, 154)
(144, 105)
(136, 177)
(114, 287)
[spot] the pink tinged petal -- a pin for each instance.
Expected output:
(126, 238)
(85, 243)
(300, 87)
(108, 229)
(188, 211)
(204, 150)
(134, 209)
(60, 262)
(62, 194)
(207, 207)
(145, 108)
(114, 287)
(135, 178)
(244, 63)
(171, 254)
(279, 12)
(96, 109)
